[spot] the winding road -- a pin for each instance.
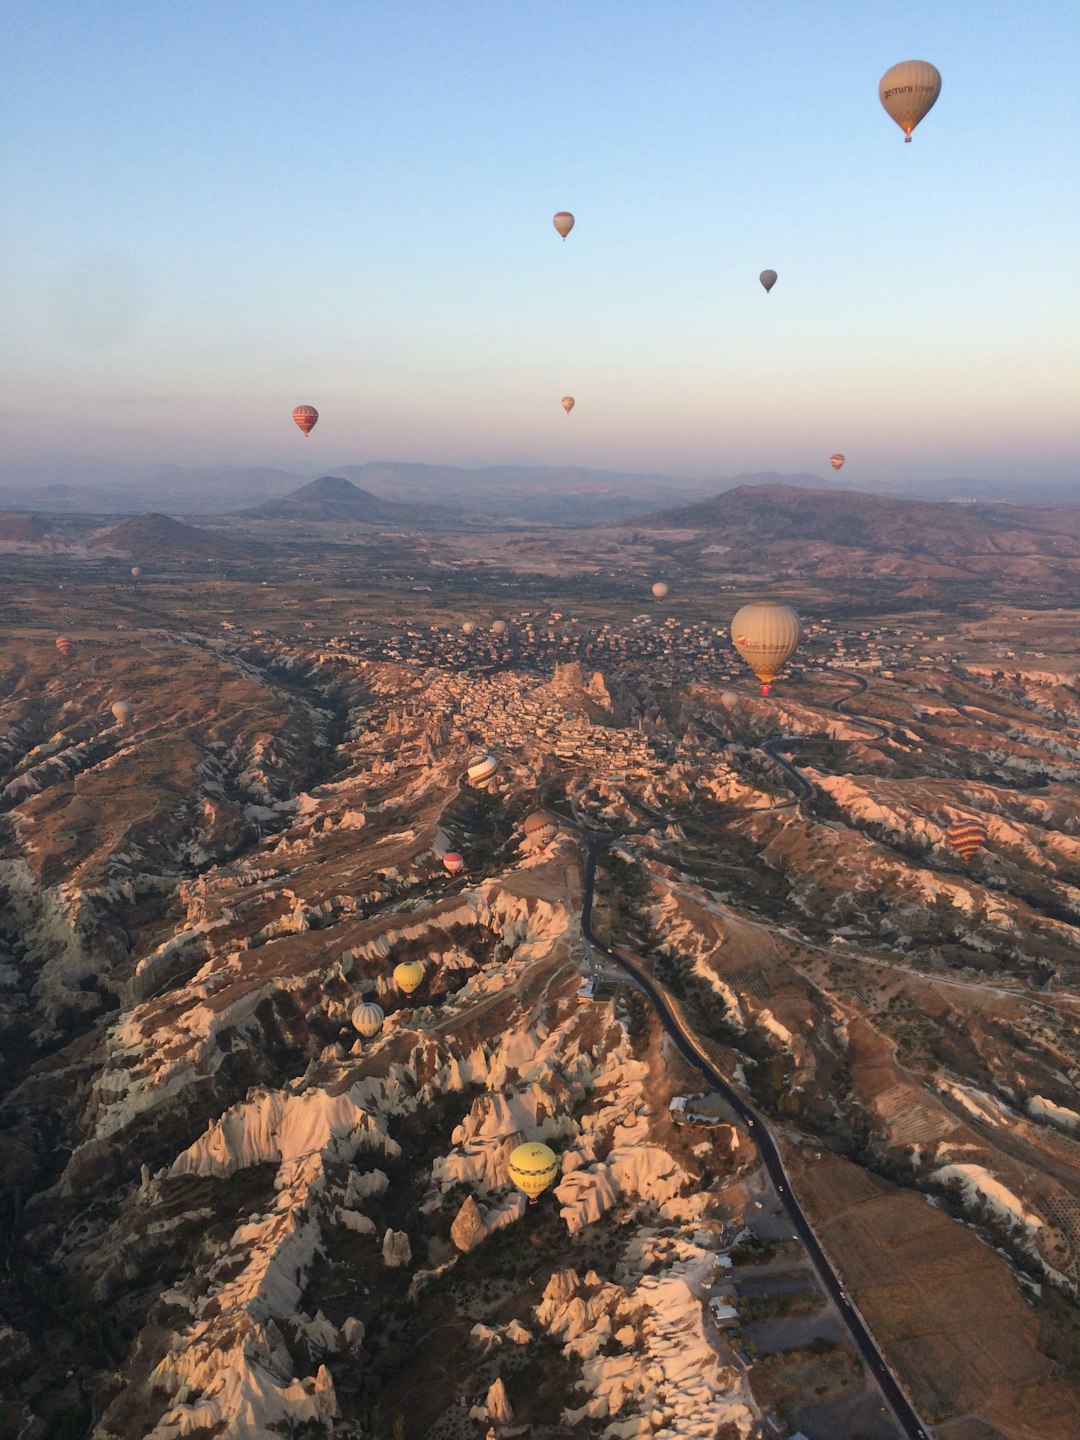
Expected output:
(691, 1049)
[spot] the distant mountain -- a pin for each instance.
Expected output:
(823, 532)
(332, 498)
(160, 537)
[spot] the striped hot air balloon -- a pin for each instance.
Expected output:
(453, 862)
(63, 644)
(305, 416)
(836, 461)
(966, 837)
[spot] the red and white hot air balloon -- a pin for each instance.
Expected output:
(453, 863)
(63, 644)
(836, 461)
(305, 416)
(563, 222)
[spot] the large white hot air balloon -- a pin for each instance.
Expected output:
(908, 91)
(765, 633)
(367, 1019)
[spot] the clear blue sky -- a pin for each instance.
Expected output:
(213, 212)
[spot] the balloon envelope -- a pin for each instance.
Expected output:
(408, 975)
(367, 1019)
(498, 627)
(305, 416)
(135, 572)
(123, 711)
(532, 1167)
(63, 644)
(967, 836)
(469, 628)
(908, 91)
(453, 863)
(567, 403)
(768, 278)
(563, 222)
(765, 633)
(836, 461)
(660, 590)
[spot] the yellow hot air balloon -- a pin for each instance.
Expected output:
(532, 1167)
(908, 91)
(567, 403)
(563, 222)
(765, 633)
(408, 976)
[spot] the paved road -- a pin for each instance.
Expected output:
(688, 1046)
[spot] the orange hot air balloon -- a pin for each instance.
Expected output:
(305, 416)
(563, 222)
(567, 403)
(836, 461)
(966, 837)
(63, 644)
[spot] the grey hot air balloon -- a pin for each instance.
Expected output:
(908, 91)
(768, 278)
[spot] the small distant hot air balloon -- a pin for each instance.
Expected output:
(63, 644)
(532, 1167)
(563, 222)
(729, 699)
(305, 416)
(908, 91)
(498, 627)
(469, 628)
(123, 711)
(482, 768)
(408, 976)
(135, 572)
(660, 590)
(765, 633)
(539, 827)
(836, 461)
(367, 1019)
(567, 403)
(453, 863)
(768, 278)
(966, 837)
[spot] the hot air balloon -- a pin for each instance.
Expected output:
(469, 628)
(567, 403)
(482, 768)
(539, 827)
(908, 91)
(498, 627)
(836, 461)
(768, 278)
(453, 863)
(305, 416)
(532, 1167)
(765, 633)
(408, 976)
(63, 644)
(729, 699)
(123, 711)
(135, 572)
(660, 590)
(367, 1019)
(563, 222)
(966, 836)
